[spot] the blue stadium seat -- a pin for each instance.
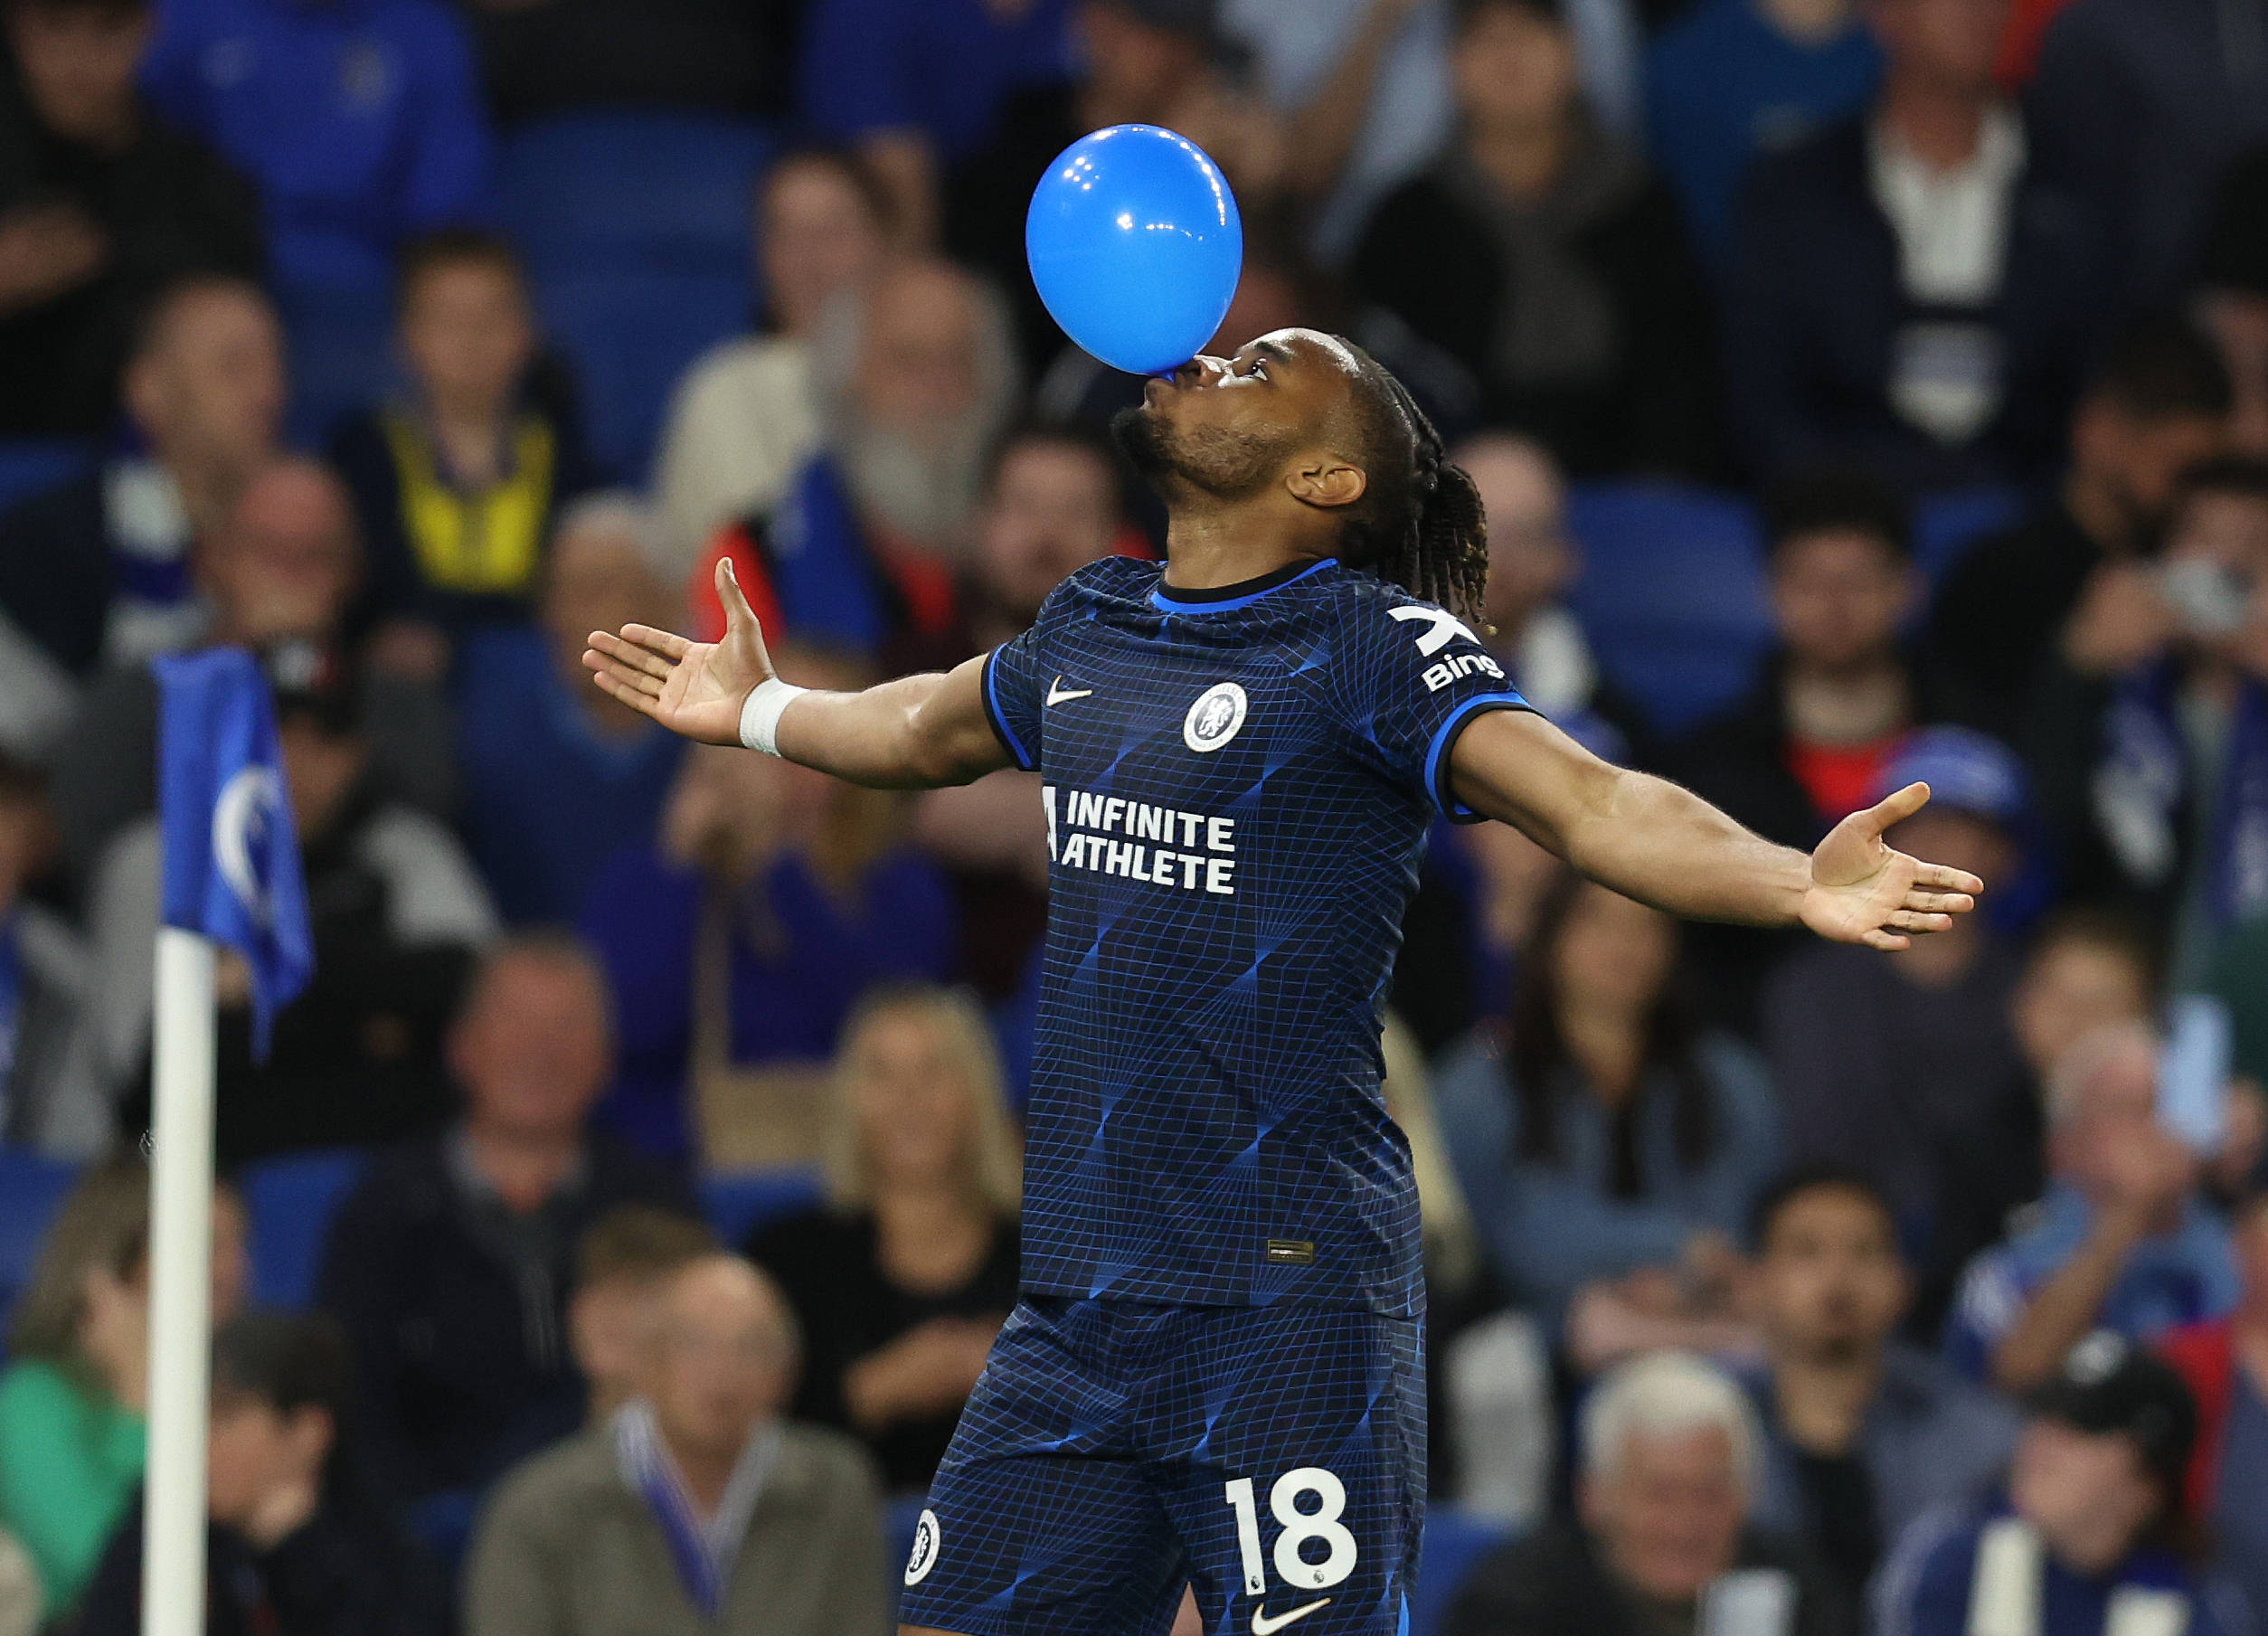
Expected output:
(1946, 524)
(291, 1200)
(30, 1187)
(1455, 1542)
(341, 344)
(28, 465)
(738, 1202)
(1672, 594)
(635, 229)
(632, 190)
(630, 335)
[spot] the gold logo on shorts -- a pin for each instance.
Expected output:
(1292, 1251)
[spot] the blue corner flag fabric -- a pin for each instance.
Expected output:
(232, 862)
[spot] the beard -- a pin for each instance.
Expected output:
(923, 488)
(1216, 460)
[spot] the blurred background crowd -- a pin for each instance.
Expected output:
(1860, 391)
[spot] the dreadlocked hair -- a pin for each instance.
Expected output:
(1419, 524)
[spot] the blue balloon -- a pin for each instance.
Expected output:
(1135, 243)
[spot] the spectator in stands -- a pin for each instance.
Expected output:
(901, 1281)
(397, 913)
(1136, 61)
(1667, 1480)
(97, 571)
(1862, 1435)
(558, 777)
(2075, 575)
(1907, 290)
(1834, 699)
(275, 575)
(624, 1263)
(296, 1544)
(362, 125)
(1730, 80)
(770, 899)
(2140, 104)
(2089, 1534)
(1949, 1132)
(870, 78)
(1532, 560)
(44, 1062)
(2149, 758)
(2085, 967)
(101, 207)
(914, 382)
(2119, 1242)
(744, 420)
(73, 1397)
(1543, 251)
(2232, 300)
(456, 483)
(2225, 1364)
(696, 1507)
(1603, 1135)
(450, 1264)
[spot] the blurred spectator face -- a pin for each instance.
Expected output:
(2072, 985)
(2090, 1495)
(1952, 44)
(532, 1051)
(599, 579)
(1960, 840)
(209, 389)
(76, 64)
(721, 1360)
(468, 334)
(916, 359)
(1513, 68)
(1054, 507)
(1134, 67)
(253, 1450)
(1839, 598)
(284, 565)
(1667, 1517)
(25, 832)
(1613, 950)
(817, 233)
(2113, 1110)
(2237, 321)
(1829, 1282)
(911, 1097)
(1531, 562)
(2137, 459)
(2250, 1241)
(2226, 531)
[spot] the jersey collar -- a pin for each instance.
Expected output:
(1220, 599)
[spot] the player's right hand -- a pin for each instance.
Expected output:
(693, 688)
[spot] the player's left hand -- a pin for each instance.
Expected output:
(1864, 891)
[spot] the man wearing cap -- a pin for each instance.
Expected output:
(2085, 1540)
(1905, 1066)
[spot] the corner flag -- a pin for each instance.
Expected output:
(232, 861)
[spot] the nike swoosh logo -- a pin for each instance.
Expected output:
(1057, 693)
(1262, 1625)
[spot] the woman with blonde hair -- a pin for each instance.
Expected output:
(904, 1278)
(72, 1400)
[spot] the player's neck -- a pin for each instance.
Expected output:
(1208, 548)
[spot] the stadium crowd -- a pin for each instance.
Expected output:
(1860, 391)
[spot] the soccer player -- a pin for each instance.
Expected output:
(1213, 1374)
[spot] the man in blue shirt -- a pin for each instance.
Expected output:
(1214, 1375)
(2119, 1242)
(359, 119)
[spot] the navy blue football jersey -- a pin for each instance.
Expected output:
(1238, 784)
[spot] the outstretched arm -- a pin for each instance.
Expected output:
(914, 734)
(1664, 845)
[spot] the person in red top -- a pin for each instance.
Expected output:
(2225, 1364)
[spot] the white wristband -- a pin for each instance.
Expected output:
(759, 717)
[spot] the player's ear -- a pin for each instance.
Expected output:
(1326, 480)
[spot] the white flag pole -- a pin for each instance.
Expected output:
(181, 1288)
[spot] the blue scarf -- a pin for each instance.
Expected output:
(2144, 783)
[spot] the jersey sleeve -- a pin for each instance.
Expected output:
(1015, 686)
(1409, 679)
